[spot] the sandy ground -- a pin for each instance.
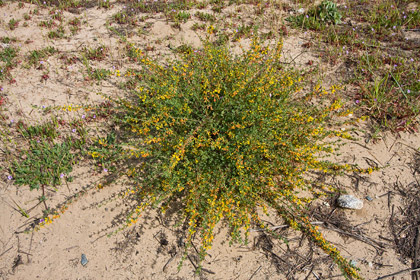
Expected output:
(152, 248)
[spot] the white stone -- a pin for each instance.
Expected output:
(349, 202)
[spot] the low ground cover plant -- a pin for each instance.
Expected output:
(225, 136)
(44, 157)
(45, 165)
(317, 17)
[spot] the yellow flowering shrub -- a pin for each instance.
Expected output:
(222, 135)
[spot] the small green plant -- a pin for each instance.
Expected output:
(99, 74)
(47, 23)
(57, 15)
(197, 26)
(43, 131)
(205, 16)
(20, 209)
(183, 16)
(317, 17)
(45, 165)
(184, 48)
(327, 12)
(8, 54)
(75, 24)
(8, 40)
(105, 4)
(7, 57)
(123, 17)
(36, 56)
(13, 24)
(242, 31)
(222, 136)
(98, 53)
(59, 33)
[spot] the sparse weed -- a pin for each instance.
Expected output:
(242, 31)
(35, 57)
(13, 24)
(106, 4)
(183, 16)
(98, 53)
(47, 23)
(205, 16)
(123, 17)
(46, 131)
(100, 74)
(197, 26)
(8, 40)
(75, 25)
(7, 57)
(184, 49)
(160, 7)
(56, 15)
(59, 33)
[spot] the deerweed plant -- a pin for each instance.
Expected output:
(223, 135)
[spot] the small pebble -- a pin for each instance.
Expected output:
(84, 260)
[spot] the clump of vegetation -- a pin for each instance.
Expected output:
(36, 56)
(99, 74)
(7, 59)
(13, 24)
(123, 17)
(75, 25)
(47, 156)
(317, 17)
(390, 96)
(99, 53)
(327, 12)
(106, 4)
(47, 130)
(44, 165)
(205, 16)
(58, 33)
(225, 136)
